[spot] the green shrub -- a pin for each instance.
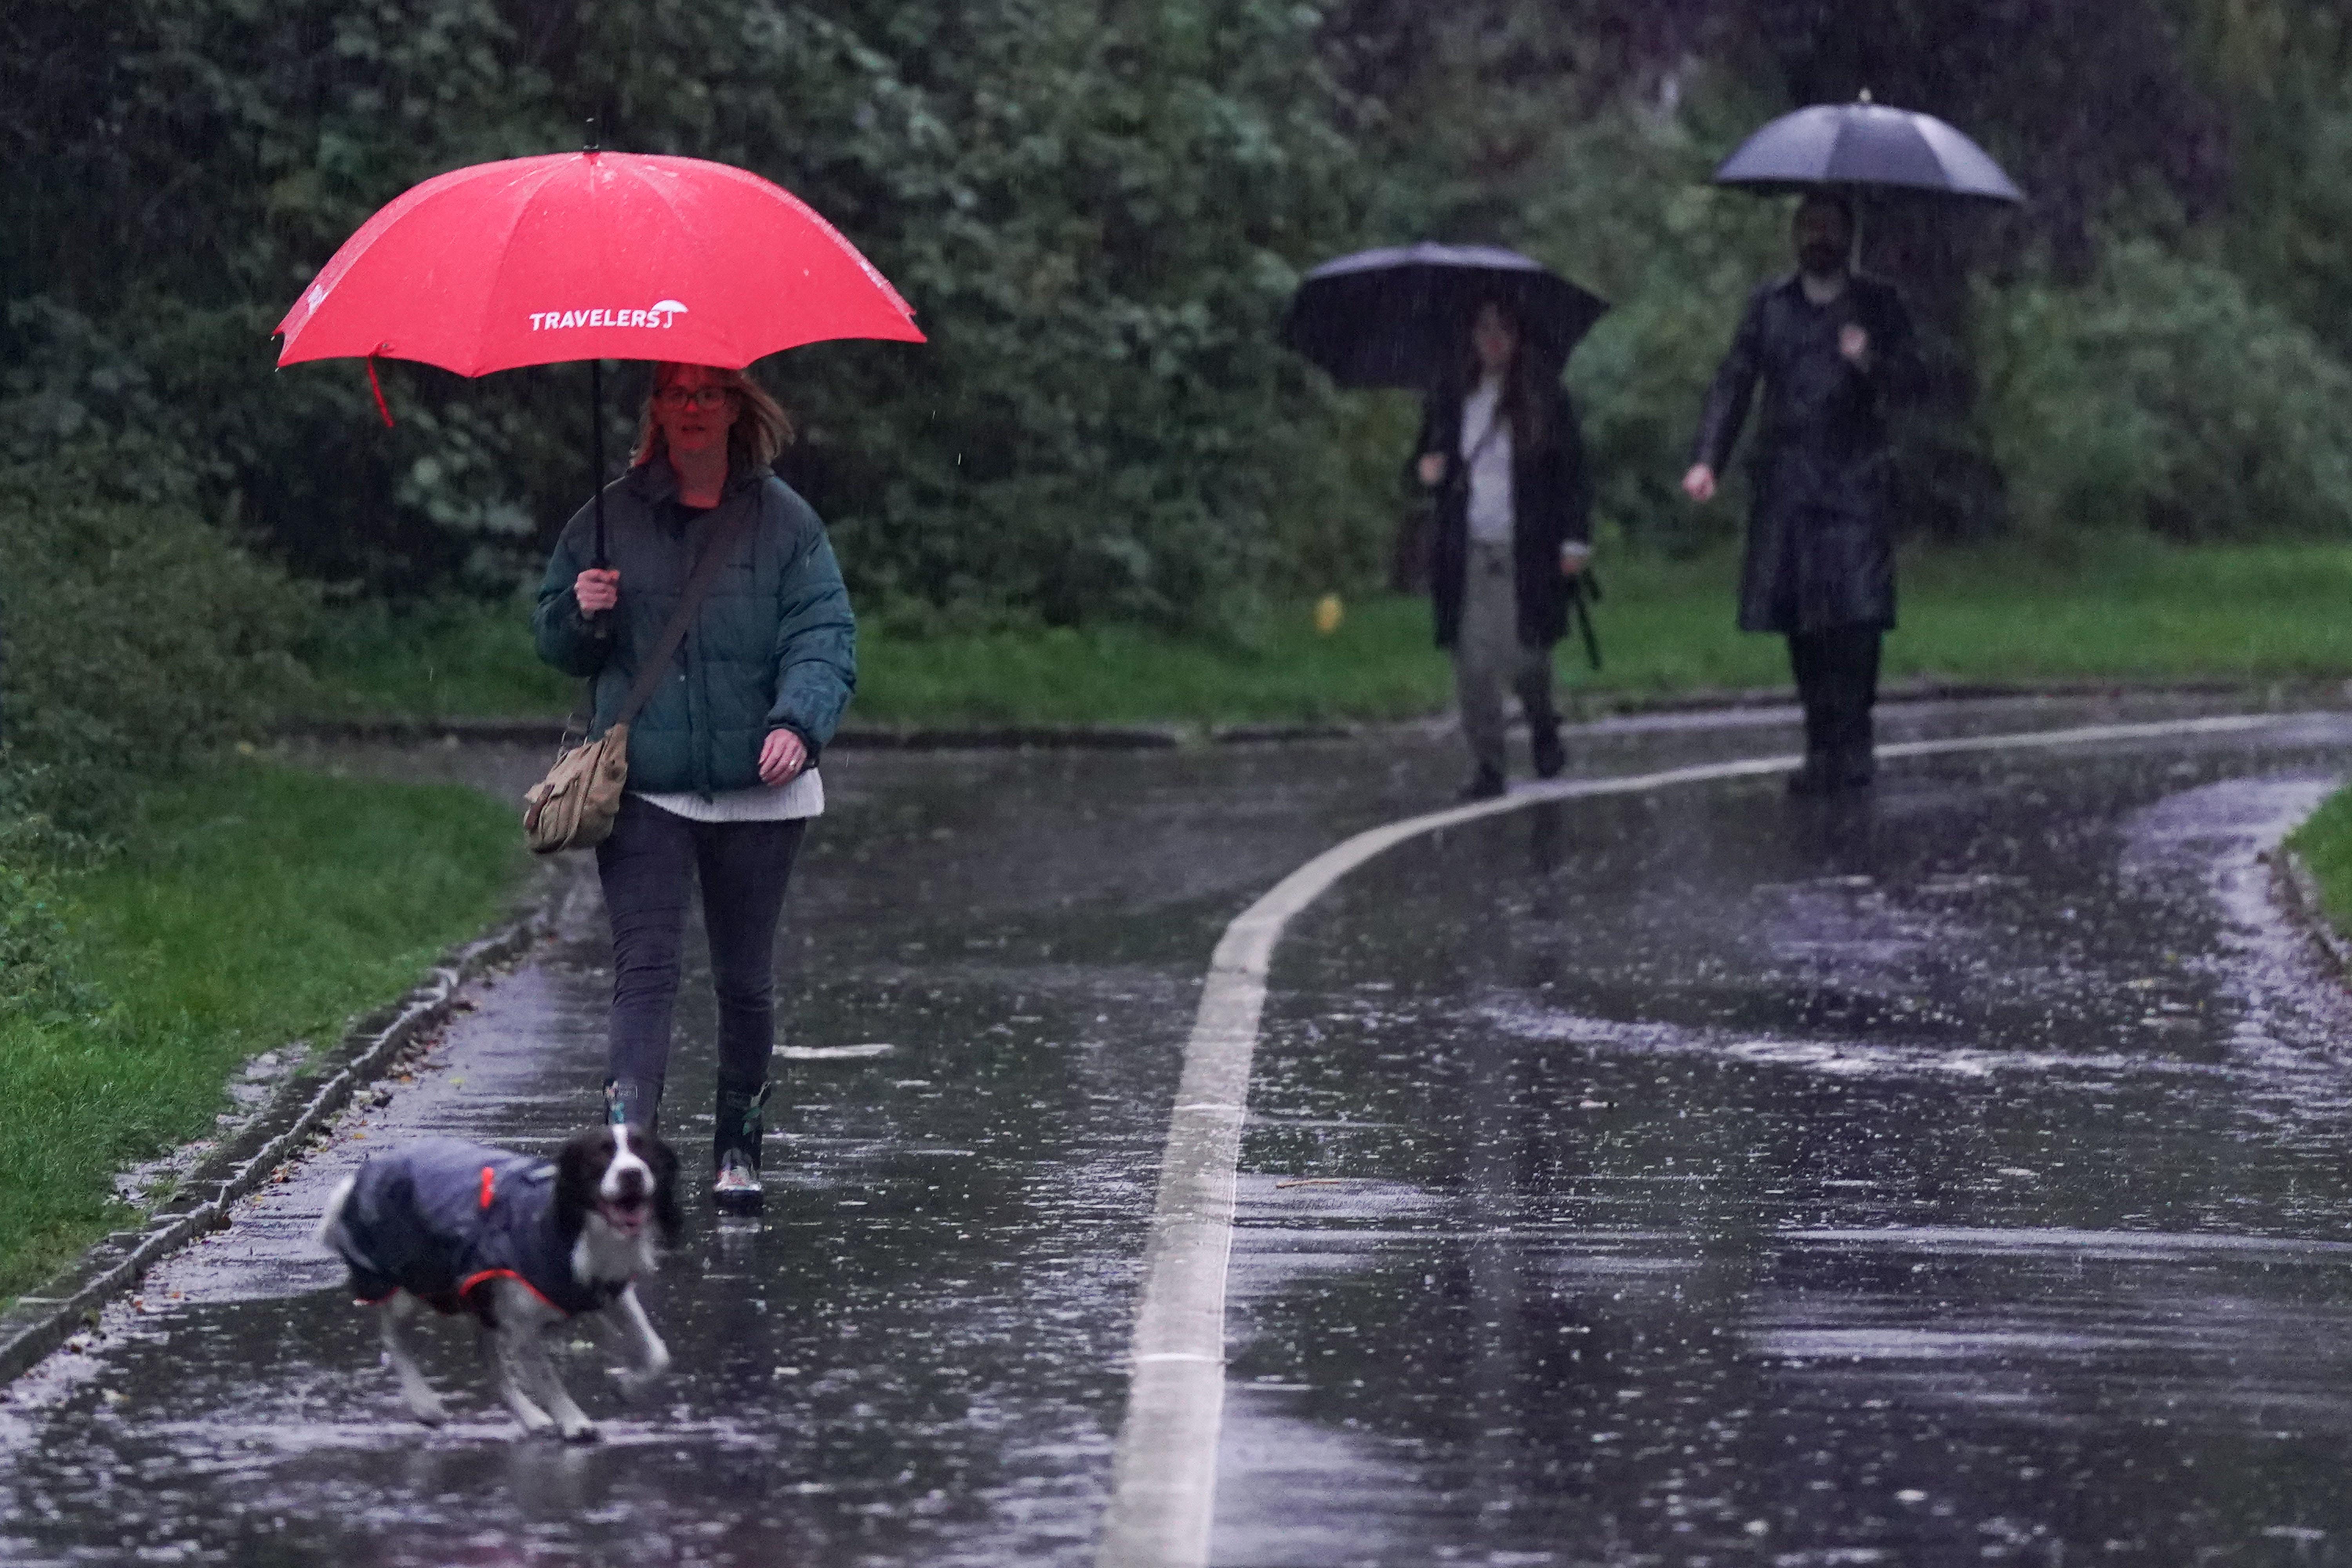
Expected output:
(2161, 394)
(137, 633)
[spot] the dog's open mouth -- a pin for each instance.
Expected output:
(626, 1216)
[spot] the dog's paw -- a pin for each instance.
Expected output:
(535, 1421)
(428, 1409)
(581, 1430)
(633, 1383)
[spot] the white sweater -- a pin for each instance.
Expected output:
(804, 797)
(1489, 458)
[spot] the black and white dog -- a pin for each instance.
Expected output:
(519, 1244)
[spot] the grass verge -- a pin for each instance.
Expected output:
(2105, 609)
(252, 905)
(2325, 842)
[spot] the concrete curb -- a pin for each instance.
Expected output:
(46, 1319)
(549, 731)
(878, 738)
(1581, 706)
(2297, 892)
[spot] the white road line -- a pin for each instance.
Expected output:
(1164, 1476)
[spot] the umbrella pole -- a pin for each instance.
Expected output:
(596, 451)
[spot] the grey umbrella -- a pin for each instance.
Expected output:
(1866, 146)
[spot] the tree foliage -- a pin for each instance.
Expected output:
(1098, 208)
(2185, 162)
(1097, 212)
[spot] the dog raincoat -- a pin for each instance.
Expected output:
(442, 1218)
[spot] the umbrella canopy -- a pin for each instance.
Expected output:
(1865, 145)
(1401, 317)
(591, 256)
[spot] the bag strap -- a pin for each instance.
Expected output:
(706, 570)
(1477, 448)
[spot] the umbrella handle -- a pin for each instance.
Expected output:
(1581, 603)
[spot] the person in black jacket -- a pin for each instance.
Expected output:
(1833, 350)
(1514, 526)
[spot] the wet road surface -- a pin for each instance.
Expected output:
(1959, 1176)
(1691, 1177)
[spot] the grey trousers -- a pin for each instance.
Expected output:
(648, 867)
(1488, 654)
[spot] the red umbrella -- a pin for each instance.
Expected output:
(591, 256)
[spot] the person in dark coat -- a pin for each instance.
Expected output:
(722, 759)
(1513, 527)
(1833, 350)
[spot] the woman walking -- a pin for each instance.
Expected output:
(722, 757)
(1502, 450)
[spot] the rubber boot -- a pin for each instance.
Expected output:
(1546, 752)
(1854, 756)
(739, 1126)
(1484, 784)
(633, 1101)
(1819, 775)
(1544, 749)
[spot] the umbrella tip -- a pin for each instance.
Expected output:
(1864, 97)
(595, 136)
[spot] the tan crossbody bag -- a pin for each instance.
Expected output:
(574, 807)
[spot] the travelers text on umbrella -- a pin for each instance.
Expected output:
(663, 314)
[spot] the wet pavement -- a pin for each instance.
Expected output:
(1959, 1176)
(1698, 1176)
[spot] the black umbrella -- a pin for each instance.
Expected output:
(1401, 317)
(1866, 146)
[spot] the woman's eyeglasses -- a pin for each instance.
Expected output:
(676, 397)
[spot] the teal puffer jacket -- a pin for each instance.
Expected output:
(772, 647)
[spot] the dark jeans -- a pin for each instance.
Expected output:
(743, 867)
(1837, 681)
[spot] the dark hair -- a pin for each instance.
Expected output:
(1524, 401)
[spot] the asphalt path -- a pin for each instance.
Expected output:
(1690, 1176)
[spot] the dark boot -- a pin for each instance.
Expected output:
(742, 1123)
(1484, 784)
(633, 1101)
(1544, 749)
(1818, 775)
(1546, 752)
(1855, 753)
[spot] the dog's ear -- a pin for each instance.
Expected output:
(578, 1170)
(662, 1161)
